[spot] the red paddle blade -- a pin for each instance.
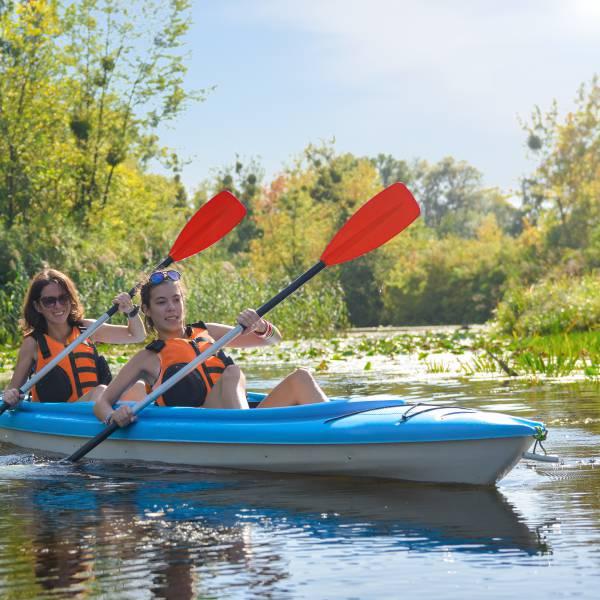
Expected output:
(212, 221)
(376, 222)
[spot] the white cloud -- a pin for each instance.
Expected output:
(367, 38)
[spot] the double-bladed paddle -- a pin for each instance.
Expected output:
(376, 222)
(211, 222)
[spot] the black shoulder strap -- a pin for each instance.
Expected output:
(88, 341)
(200, 324)
(40, 338)
(156, 346)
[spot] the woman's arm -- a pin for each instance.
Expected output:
(133, 333)
(144, 365)
(25, 360)
(259, 332)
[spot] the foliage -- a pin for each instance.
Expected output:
(558, 354)
(551, 306)
(245, 182)
(563, 194)
(82, 88)
(449, 280)
(451, 195)
(217, 291)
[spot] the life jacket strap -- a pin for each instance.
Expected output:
(42, 343)
(156, 346)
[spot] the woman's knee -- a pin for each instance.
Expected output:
(233, 374)
(302, 373)
(93, 394)
(302, 377)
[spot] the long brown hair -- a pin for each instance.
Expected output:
(32, 319)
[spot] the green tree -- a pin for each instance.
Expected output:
(392, 170)
(244, 181)
(563, 194)
(83, 87)
(454, 201)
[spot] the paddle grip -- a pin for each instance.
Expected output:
(115, 307)
(91, 444)
(291, 288)
(5, 406)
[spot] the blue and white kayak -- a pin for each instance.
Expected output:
(373, 438)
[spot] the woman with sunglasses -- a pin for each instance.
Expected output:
(218, 383)
(52, 319)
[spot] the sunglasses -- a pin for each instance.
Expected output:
(160, 276)
(50, 301)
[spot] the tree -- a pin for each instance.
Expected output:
(451, 195)
(563, 194)
(82, 90)
(392, 170)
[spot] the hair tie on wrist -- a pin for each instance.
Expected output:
(134, 311)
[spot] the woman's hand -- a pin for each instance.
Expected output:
(123, 416)
(124, 302)
(250, 321)
(12, 396)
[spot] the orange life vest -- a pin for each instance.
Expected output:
(73, 376)
(175, 353)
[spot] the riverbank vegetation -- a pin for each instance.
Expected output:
(83, 88)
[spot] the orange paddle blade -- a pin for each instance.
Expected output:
(376, 222)
(212, 221)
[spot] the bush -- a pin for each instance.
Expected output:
(552, 306)
(452, 280)
(220, 292)
(215, 292)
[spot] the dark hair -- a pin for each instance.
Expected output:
(145, 292)
(32, 319)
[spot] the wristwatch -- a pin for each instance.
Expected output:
(134, 311)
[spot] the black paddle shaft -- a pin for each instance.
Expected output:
(90, 444)
(291, 288)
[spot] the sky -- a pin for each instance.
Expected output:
(412, 79)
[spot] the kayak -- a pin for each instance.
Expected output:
(389, 439)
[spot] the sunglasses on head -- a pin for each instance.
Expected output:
(50, 301)
(160, 276)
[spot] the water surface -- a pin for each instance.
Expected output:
(100, 530)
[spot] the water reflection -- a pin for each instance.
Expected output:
(104, 530)
(180, 534)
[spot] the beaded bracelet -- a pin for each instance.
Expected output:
(267, 333)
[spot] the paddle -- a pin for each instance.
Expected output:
(376, 222)
(210, 223)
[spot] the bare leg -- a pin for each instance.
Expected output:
(298, 387)
(229, 391)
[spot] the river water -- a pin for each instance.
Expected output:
(99, 530)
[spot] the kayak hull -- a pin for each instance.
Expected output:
(477, 462)
(386, 439)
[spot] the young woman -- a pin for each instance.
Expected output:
(217, 383)
(52, 319)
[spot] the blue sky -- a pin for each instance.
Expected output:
(413, 79)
